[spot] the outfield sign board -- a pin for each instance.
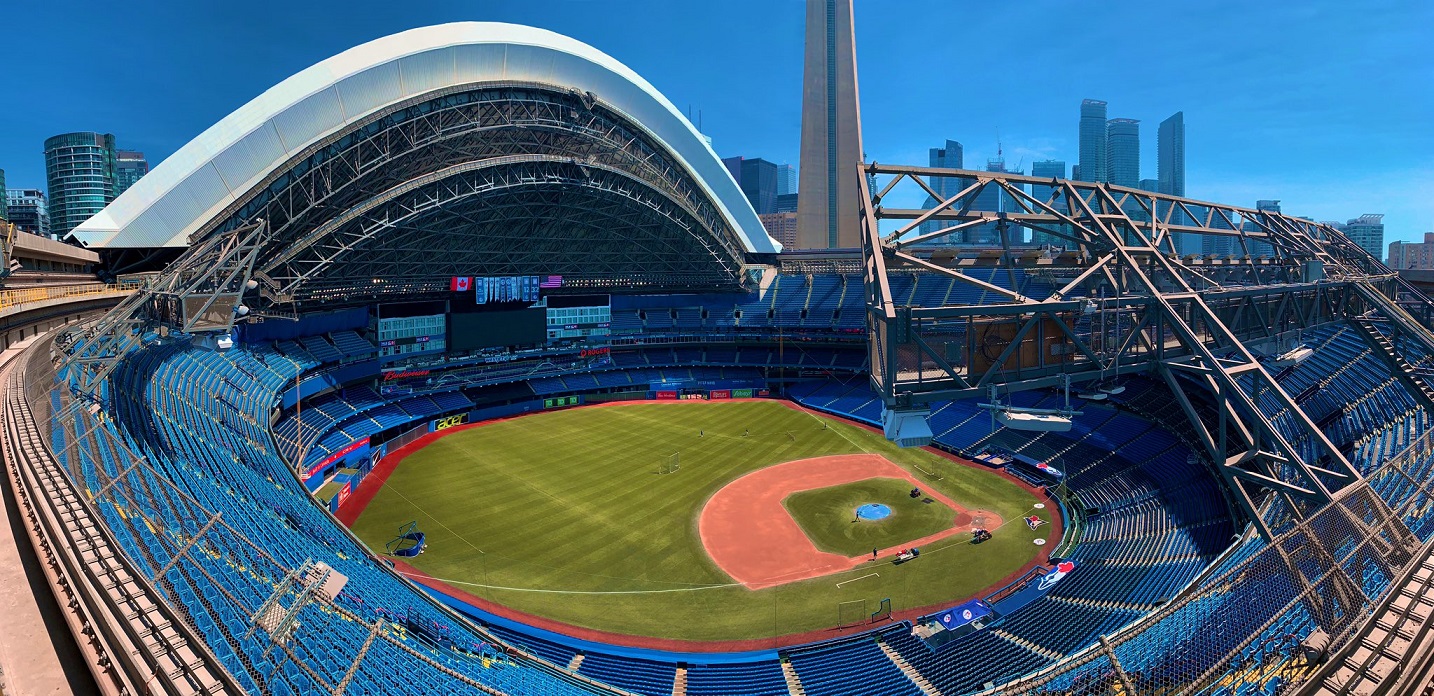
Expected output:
(721, 393)
(448, 422)
(563, 401)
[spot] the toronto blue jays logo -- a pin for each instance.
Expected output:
(1062, 569)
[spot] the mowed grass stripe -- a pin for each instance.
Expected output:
(571, 501)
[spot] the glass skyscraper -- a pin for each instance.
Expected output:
(1122, 152)
(1170, 155)
(1170, 172)
(949, 157)
(1055, 169)
(759, 184)
(1092, 140)
(4, 209)
(1368, 232)
(129, 167)
(80, 172)
(786, 179)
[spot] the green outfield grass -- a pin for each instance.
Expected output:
(827, 515)
(563, 515)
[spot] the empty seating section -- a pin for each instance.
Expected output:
(822, 301)
(200, 420)
(999, 659)
(1155, 518)
(353, 345)
(634, 674)
(832, 670)
(739, 679)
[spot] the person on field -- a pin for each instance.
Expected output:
(873, 554)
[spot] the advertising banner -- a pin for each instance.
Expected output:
(336, 456)
(447, 422)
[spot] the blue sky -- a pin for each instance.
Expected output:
(1327, 106)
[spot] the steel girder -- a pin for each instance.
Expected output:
(512, 215)
(463, 126)
(1123, 296)
(199, 292)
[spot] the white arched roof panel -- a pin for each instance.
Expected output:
(213, 170)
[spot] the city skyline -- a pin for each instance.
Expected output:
(1309, 139)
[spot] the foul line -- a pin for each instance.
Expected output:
(870, 575)
(577, 592)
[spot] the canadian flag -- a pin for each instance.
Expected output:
(461, 284)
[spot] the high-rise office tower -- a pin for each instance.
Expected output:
(951, 156)
(1054, 169)
(1170, 155)
(993, 198)
(1122, 152)
(1170, 171)
(1092, 141)
(4, 209)
(1368, 232)
(734, 167)
(786, 179)
(80, 176)
(29, 210)
(831, 130)
(129, 167)
(1258, 248)
(759, 184)
(1218, 245)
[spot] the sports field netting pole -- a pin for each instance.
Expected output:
(851, 613)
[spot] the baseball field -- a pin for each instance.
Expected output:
(701, 521)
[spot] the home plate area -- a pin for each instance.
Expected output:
(752, 531)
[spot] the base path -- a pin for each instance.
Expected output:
(750, 535)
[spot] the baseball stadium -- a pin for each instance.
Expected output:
(470, 369)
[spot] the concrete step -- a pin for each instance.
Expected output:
(921, 683)
(794, 684)
(575, 663)
(679, 682)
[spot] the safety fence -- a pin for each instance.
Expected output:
(23, 296)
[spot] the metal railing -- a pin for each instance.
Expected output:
(1243, 625)
(23, 296)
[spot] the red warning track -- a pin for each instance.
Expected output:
(751, 536)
